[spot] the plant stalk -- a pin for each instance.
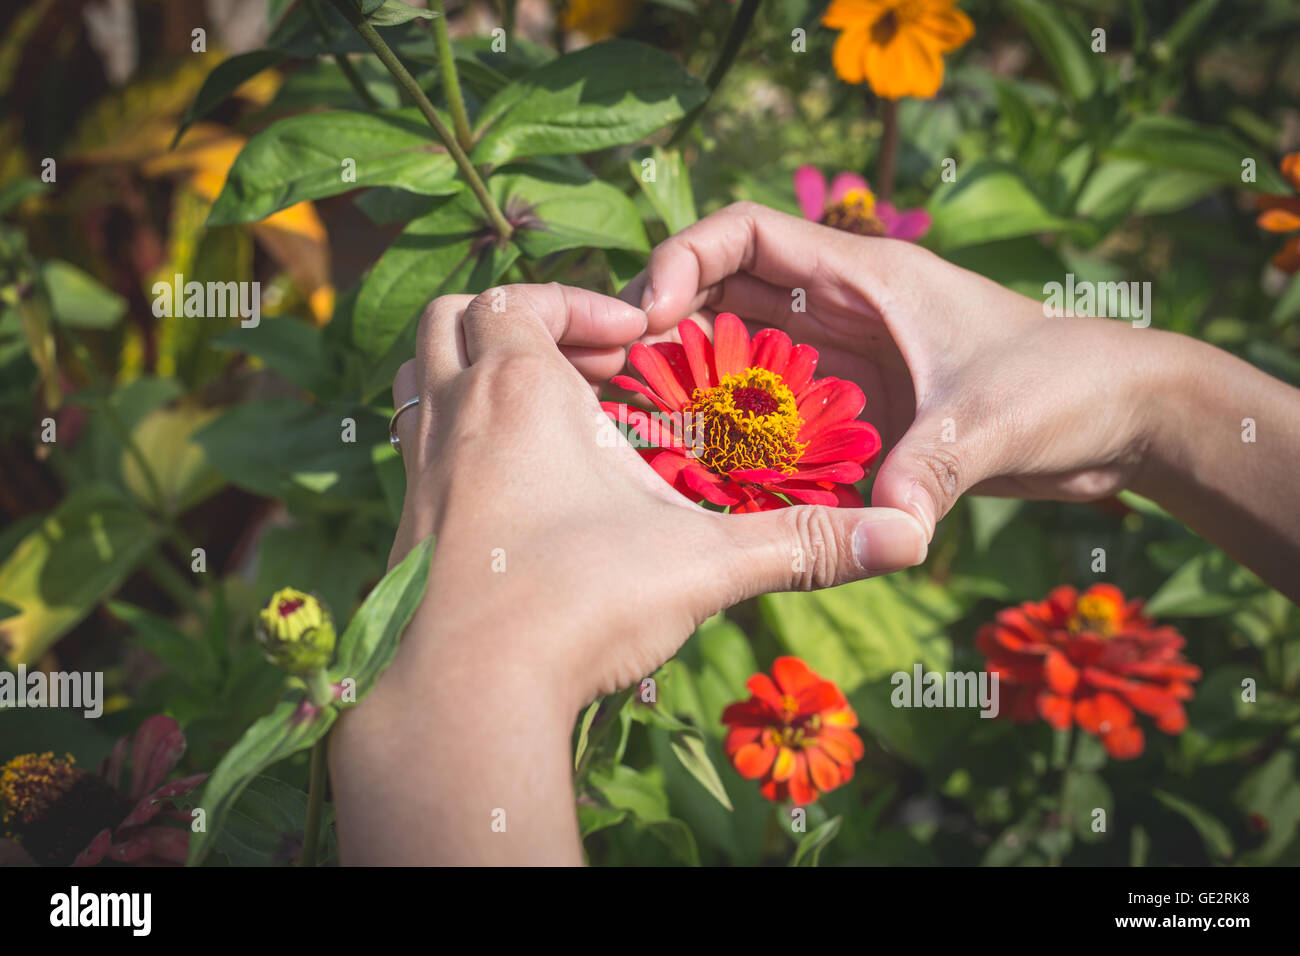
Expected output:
(450, 79)
(344, 64)
(408, 84)
(315, 804)
(730, 47)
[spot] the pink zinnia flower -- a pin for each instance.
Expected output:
(853, 207)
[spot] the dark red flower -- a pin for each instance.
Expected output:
(1093, 660)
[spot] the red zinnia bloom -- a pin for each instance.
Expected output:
(795, 733)
(1090, 659)
(747, 425)
(55, 813)
(1282, 214)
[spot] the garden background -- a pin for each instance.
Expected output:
(134, 149)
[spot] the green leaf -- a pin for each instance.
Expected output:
(303, 157)
(447, 250)
(288, 729)
(809, 852)
(78, 300)
(568, 214)
(1085, 793)
(187, 657)
(1208, 585)
(266, 826)
(72, 560)
(1062, 46)
(688, 746)
(584, 729)
(865, 630)
(292, 348)
(225, 78)
(988, 516)
(165, 439)
(989, 201)
(605, 95)
(285, 447)
(14, 192)
(1170, 142)
(1216, 837)
(669, 191)
(642, 795)
(592, 819)
(371, 639)
(393, 12)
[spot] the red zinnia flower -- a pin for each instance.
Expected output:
(55, 813)
(1090, 659)
(796, 733)
(747, 425)
(1282, 214)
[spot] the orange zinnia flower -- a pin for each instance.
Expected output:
(748, 427)
(1090, 659)
(795, 733)
(1282, 214)
(897, 46)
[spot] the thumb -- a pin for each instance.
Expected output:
(807, 547)
(927, 471)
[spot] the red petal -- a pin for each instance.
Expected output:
(1062, 676)
(793, 676)
(843, 472)
(659, 375)
(771, 348)
(699, 354)
(632, 385)
(847, 441)
(1125, 743)
(1055, 710)
(730, 344)
(762, 687)
(752, 761)
(827, 402)
(799, 370)
(709, 486)
(825, 772)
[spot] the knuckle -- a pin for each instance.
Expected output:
(942, 465)
(816, 535)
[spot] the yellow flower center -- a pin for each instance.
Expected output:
(855, 213)
(1095, 615)
(747, 421)
(32, 783)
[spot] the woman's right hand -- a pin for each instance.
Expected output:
(974, 388)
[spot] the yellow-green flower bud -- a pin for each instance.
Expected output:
(296, 632)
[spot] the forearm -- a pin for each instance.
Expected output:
(461, 754)
(1223, 446)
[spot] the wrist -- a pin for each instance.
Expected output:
(1172, 377)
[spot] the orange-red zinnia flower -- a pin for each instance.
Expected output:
(795, 733)
(1282, 214)
(747, 425)
(897, 46)
(1093, 660)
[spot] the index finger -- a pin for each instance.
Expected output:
(748, 238)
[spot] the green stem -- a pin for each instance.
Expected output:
(605, 720)
(408, 84)
(450, 80)
(730, 47)
(1062, 800)
(344, 64)
(315, 804)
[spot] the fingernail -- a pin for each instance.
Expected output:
(648, 297)
(889, 543)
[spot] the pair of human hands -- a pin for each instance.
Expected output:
(539, 516)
